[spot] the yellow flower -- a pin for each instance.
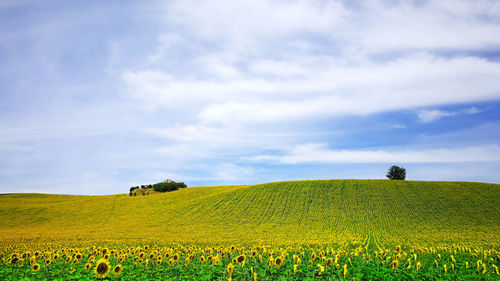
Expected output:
(419, 265)
(398, 249)
(230, 269)
(240, 259)
(395, 264)
(321, 269)
(36, 267)
(345, 270)
(102, 268)
(118, 269)
(88, 266)
(279, 261)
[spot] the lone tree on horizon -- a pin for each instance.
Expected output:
(396, 173)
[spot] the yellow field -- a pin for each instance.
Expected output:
(374, 212)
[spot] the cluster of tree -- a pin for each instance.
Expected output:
(396, 173)
(168, 186)
(144, 186)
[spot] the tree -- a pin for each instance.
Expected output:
(396, 173)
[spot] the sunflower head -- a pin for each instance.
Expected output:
(118, 269)
(88, 266)
(279, 261)
(102, 268)
(35, 267)
(240, 258)
(230, 269)
(395, 264)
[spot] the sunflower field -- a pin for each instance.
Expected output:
(302, 230)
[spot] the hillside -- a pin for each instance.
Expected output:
(322, 211)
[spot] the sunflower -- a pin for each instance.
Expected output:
(176, 257)
(186, 263)
(106, 257)
(240, 258)
(102, 268)
(55, 257)
(230, 269)
(13, 260)
(36, 267)
(48, 261)
(279, 261)
(321, 269)
(78, 256)
(37, 253)
(345, 270)
(171, 261)
(398, 249)
(329, 262)
(88, 266)
(151, 256)
(294, 268)
(158, 262)
(118, 270)
(202, 259)
(419, 265)
(395, 264)
(32, 260)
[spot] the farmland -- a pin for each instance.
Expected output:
(362, 229)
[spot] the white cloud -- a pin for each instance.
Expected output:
(426, 116)
(319, 153)
(323, 88)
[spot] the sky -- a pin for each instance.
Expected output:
(98, 96)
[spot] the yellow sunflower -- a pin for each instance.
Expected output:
(118, 270)
(36, 267)
(88, 266)
(240, 258)
(102, 268)
(278, 261)
(230, 269)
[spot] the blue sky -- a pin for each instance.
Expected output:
(98, 96)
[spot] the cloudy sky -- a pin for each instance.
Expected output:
(97, 96)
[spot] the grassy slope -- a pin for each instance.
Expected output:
(385, 212)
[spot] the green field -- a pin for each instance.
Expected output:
(425, 218)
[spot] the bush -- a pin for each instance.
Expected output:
(396, 173)
(165, 186)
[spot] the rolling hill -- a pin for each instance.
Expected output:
(380, 212)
